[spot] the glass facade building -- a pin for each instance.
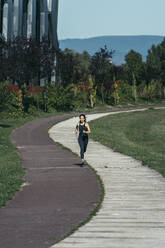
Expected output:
(35, 18)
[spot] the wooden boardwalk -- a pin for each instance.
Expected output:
(133, 211)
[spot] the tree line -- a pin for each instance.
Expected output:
(85, 78)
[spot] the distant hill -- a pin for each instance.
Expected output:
(121, 44)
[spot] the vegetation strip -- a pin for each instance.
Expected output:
(11, 172)
(138, 134)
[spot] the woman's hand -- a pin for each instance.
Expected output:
(89, 131)
(76, 129)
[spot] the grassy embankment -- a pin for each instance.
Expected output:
(140, 135)
(137, 134)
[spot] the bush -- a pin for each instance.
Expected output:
(110, 100)
(32, 110)
(32, 95)
(125, 91)
(120, 93)
(81, 100)
(150, 91)
(57, 98)
(10, 101)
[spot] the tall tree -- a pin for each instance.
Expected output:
(136, 69)
(156, 62)
(101, 64)
(3, 60)
(26, 60)
(73, 67)
(66, 65)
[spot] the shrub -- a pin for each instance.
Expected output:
(10, 101)
(81, 100)
(125, 91)
(32, 110)
(150, 91)
(121, 92)
(56, 97)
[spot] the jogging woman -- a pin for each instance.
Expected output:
(83, 128)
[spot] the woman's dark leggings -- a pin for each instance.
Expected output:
(83, 142)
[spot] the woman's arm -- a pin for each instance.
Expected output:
(89, 131)
(76, 129)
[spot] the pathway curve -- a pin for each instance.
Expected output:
(133, 211)
(45, 210)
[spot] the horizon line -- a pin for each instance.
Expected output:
(119, 35)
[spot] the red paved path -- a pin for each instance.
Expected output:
(60, 194)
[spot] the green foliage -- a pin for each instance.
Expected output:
(59, 98)
(156, 62)
(32, 110)
(9, 102)
(101, 68)
(125, 91)
(116, 94)
(135, 67)
(121, 94)
(28, 100)
(92, 91)
(139, 134)
(73, 66)
(11, 171)
(150, 91)
(81, 101)
(4, 95)
(26, 60)
(82, 80)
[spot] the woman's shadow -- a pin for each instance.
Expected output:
(78, 164)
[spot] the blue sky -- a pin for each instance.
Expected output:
(90, 18)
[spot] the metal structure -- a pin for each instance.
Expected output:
(25, 18)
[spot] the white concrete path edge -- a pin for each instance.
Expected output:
(132, 214)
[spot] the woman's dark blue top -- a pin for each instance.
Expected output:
(81, 128)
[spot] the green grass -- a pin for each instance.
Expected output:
(11, 171)
(137, 134)
(119, 132)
